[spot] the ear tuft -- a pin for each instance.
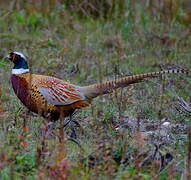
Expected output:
(20, 54)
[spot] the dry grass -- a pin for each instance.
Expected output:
(138, 132)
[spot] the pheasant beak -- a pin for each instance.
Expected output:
(10, 57)
(7, 56)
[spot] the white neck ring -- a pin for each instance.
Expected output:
(19, 71)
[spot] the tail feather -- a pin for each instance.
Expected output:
(95, 90)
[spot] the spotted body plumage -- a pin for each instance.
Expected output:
(35, 91)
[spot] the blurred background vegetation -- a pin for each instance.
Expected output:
(123, 135)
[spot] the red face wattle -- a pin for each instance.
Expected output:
(13, 57)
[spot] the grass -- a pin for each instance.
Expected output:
(118, 131)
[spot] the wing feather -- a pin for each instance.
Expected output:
(58, 92)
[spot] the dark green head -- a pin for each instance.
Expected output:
(20, 62)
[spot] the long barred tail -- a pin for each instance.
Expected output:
(95, 90)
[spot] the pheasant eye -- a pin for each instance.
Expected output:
(13, 56)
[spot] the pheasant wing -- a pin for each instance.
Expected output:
(58, 92)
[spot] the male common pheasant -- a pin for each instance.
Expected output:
(54, 98)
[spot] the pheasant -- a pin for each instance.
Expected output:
(54, 98)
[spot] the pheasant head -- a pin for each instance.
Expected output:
(20, 62)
